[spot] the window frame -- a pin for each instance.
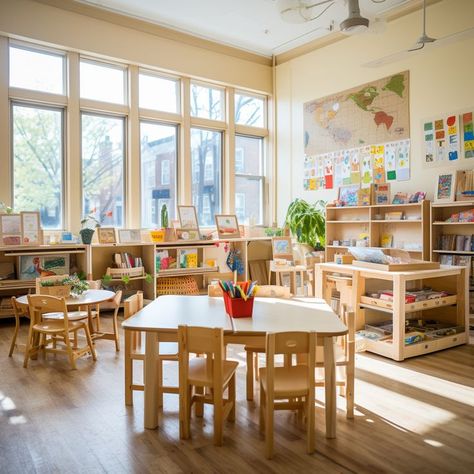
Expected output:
(111, 65)
(254, 177)
(208, 85)
(16, 44)
(64, 188)
(176, 79)
(177, 128)
(102, 113)
(265, 109)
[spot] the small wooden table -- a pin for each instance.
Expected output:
(161, 318)
(88, 299)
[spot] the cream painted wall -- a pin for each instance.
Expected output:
(441, 81)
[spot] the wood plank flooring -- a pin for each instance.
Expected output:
(411, 417)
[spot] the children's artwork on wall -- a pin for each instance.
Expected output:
(355, 167)
(378, 162)
(328, 172)
(338, 162)
(381, 193)
(348, 195)
(403, 160)
(365, 161)
(390, 161)
(467, 135)
(441, 141)
(346, 168)
(445, 187)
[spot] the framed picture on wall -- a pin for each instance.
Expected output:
(227, 226)
(445, 187)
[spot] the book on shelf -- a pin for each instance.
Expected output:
(126, 260)
(458, 243)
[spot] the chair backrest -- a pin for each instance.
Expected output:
(132, 304)
(20, 309)
(289, 343)
(200, 340)
(94, 284)
(53, 278)
(40, 304)
(273, 291)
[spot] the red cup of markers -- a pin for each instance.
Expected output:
(238, 307)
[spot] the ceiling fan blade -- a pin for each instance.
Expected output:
(391, 58)
(460, 35)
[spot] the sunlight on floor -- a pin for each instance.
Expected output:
(428, 383)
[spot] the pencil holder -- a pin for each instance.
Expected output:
(238, 307)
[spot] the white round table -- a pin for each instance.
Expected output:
(88, 298)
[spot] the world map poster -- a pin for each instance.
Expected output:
(376, 112)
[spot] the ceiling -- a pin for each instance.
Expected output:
(252, 25)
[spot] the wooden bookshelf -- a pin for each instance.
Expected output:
(440, 212)
(411, 233)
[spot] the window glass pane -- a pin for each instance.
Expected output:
(249, 179)
(102, 82)
(248, 155)
(206, 155)
(158, 93)
(207, 102)
(249, 200)
(36, 70)
(37, 163)
(158, 171)
(102, 168)
(249, 110)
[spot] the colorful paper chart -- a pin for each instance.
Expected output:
(467, 135)
(355, 166)
(403, 160)
(378, 161)
(441, 140)
(391, 161)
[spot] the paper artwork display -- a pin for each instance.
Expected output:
(355, 166)
(376, 112)
(391, 161)
(445, 187)
(378, 160)
(441, 140)
(403, 160)
(365, 161)
(467, 135)
(35, 266)
(348, 195)
(328, 173)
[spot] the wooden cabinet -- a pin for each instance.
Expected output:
(346, 225)
(395, 316)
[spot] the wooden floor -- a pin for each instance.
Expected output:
(411, 417)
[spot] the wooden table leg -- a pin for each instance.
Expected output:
(151, 381)
(330, 387)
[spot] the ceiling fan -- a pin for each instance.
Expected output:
(423, 41)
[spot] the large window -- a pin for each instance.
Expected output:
(103, 82)
(38, 162)
(103, 168)
(37, 70)
(158, 171)
(207, 102)
(206, 155)
(158, 93)
(249, 110)
(249, 180)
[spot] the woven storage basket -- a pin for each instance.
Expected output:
(182, 285)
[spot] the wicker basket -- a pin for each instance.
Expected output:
(117, 273)
(182, 285)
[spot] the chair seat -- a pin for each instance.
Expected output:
(72, 316)
(55, 326)
(289, 381)
(199, 375)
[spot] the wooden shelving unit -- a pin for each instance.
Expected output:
(346, 224)
(450, 310)
(439, 213)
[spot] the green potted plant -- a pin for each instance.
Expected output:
(89, 224)
(169, 232)
(308, 224)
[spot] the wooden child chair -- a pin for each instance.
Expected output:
(40, 330)
(212, 374)
(19, 310)
(134, 350)
(345, 361)
(254, 349)
(290, 386)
